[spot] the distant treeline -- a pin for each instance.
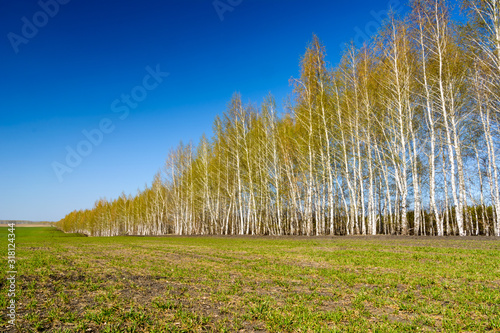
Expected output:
(24, 222)
(401, 137)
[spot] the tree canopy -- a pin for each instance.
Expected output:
(400, 137)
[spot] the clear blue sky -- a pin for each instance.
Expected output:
(66, 70)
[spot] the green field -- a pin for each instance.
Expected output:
(70, 283)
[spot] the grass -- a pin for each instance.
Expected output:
(70, 283)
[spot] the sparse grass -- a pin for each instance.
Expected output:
(69, 283)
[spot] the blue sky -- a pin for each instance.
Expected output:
(65, 63)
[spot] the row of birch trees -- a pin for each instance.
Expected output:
(401, 137)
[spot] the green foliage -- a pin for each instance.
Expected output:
(400, 137)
